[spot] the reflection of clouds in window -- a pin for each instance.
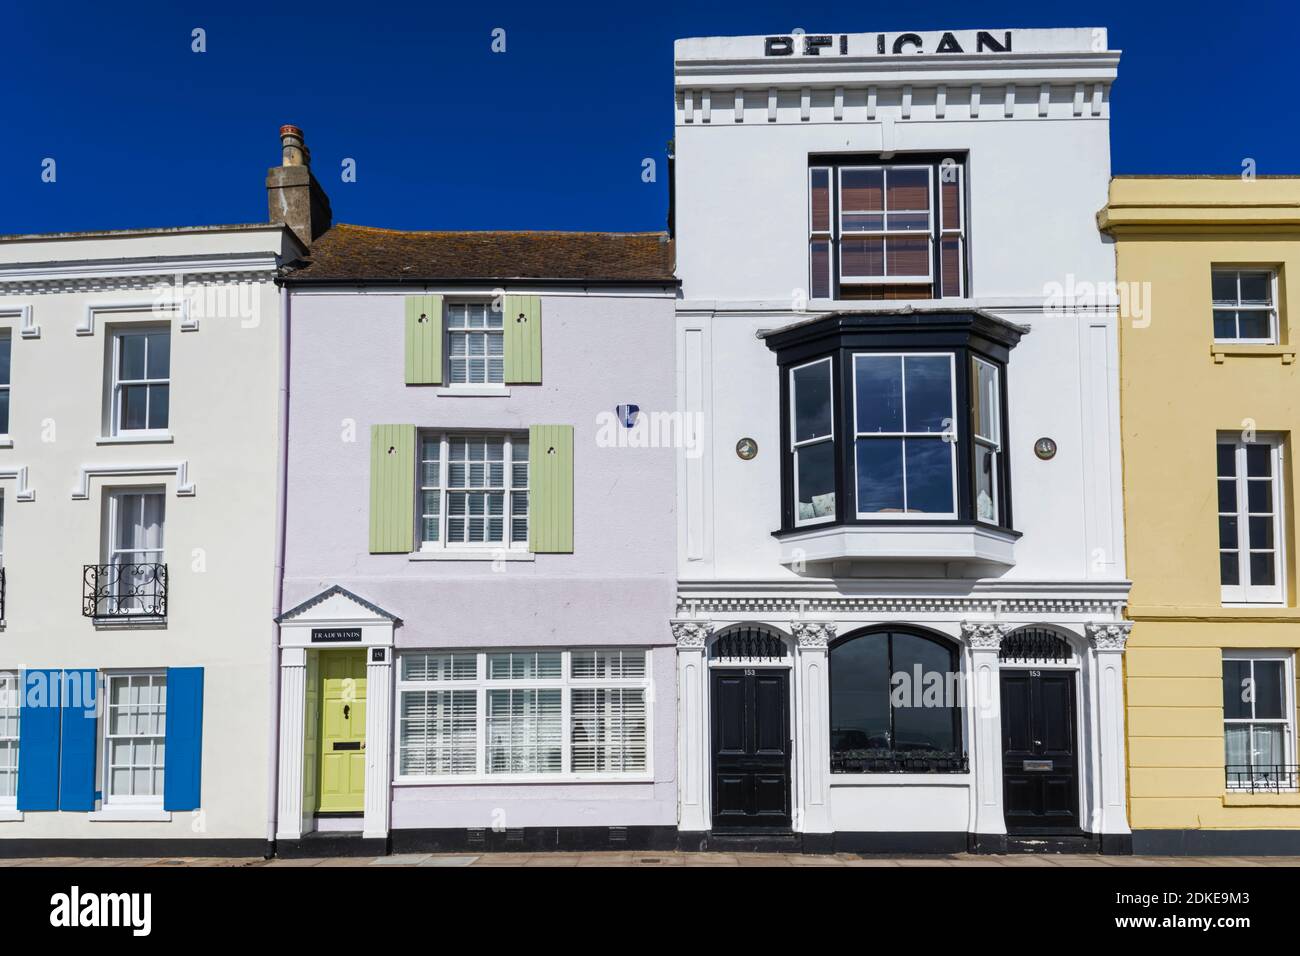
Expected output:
(894, 698)
(904, 408)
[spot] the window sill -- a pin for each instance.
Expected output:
(129, 622)
(6, 441)
(970, 544)
(498, 554)
(130, 815)
(472, 391)
(479, 780)
(1291, 799)
(136, 438)
(1220, 351)
(936, 779)
(10, 815)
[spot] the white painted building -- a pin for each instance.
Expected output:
(912, 453)
(138, 459)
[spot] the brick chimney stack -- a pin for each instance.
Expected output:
(294, 196)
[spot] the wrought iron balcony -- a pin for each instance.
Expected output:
(897, 761)
(1262, 777)
(124, 591)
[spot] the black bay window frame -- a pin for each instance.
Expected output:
(964, 334)
(837, 161)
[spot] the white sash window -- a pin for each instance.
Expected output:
(522, 715)
(1251, 559)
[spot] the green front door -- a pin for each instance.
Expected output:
(342, 731)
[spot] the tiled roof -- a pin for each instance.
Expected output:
(348, 253)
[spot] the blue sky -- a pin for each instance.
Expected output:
(447, 134)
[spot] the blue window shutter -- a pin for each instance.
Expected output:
(77, 748)
(184, 738)
(38, 741)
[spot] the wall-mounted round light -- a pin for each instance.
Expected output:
(1045, 448)
(746, 449)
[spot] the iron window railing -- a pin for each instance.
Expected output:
(124, 590)
(898, 761)
(1262, 777)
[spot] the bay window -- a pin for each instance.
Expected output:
(923, 402)
(552, 714)
(887, 230)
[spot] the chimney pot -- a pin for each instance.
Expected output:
(294, 148)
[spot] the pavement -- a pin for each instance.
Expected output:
(651, 859)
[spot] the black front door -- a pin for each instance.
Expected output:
(751, 748)
(1040, 767)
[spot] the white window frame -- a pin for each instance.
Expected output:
(1245, 593)
(510, 489)
(884, 232)
(566, 683)
(113, 500)
(952, 438)
(117, 383)
(1288, 720)
(826, 235)
(1271, 308)
(797, 446)
(6, 388)
(950, 232)
(11, 683)
(994, 443)
(448, 332)
(150, 801)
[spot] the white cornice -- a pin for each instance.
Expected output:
(123, 274)
(763, 72)
(1026, 306)
(989, 600)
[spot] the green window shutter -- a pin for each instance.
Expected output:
(550, 494)
(392, 489)
(424, 340)
(522, 317)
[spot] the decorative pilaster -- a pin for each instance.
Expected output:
(293, 710)
(693, 812)
(1108, 641)
(984, 715)
(812, 725)
(379, 774)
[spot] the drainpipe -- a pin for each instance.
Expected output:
(281, 480)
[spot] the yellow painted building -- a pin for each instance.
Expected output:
(1210, 412)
